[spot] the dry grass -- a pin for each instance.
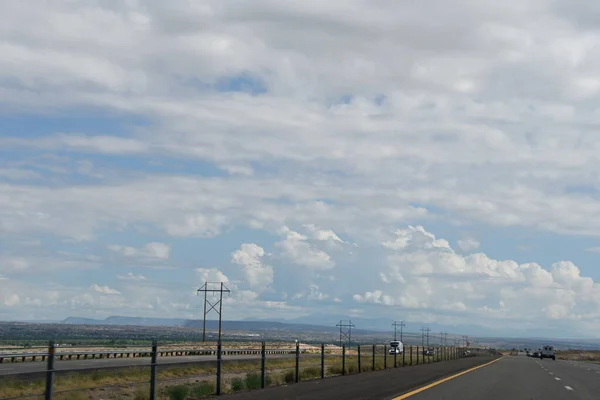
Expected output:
(579, 355)
(194, 378)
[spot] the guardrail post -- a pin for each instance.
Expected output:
(373, 362)
(50, 371)
(359, 359)
(343, 359)
(153, 371)
(263, 357)
(219, 365)
(297, 362)
(322, 360)
(384, 356)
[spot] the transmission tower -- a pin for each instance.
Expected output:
(442, 337)
(400, 324)
(345, 330)
(209, 287)
(425, 331)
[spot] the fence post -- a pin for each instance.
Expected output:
(153, 371)
(263, 356)
(297, 362)
(359, 359)
(343, 359)
(411, 351)
(403, 356)
(322, 360)
(417, 355)
(50, 371)
(374, 350)
(219, 362)
(384, 356)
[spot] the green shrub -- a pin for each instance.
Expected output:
(310, 373)
(253, 380)
(237, 384)
(178, 392)
(289, 377)
(203, 389)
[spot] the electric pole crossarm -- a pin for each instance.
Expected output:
(213, 306)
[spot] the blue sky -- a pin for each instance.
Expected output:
(356, 169)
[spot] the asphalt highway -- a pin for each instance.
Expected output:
(521, 378)
(38, 367)
(516, 377)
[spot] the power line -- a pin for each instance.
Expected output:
(425, 330)
(400, 324)
(345, 333)
(213, 306)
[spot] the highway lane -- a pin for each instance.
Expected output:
(518, 378)
(377, 385)
(7, 369)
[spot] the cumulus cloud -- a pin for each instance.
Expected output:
(468, 244)
(103, 289)
(296, 248)
(249, 256)
(423, 272)
(484, 94)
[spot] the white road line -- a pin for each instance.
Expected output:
(551, 373)
(557, 378)
(568, 388)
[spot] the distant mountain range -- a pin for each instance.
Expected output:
(378, 327)
(312, 323)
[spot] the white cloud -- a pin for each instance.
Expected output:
(468, 244)
(103, 289)
(249, 256)
(131, 277)
(153, 250)
(296, 248)
(422, 274)
(11, 300)
(484, 94)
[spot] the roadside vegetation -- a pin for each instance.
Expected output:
(195, 381)
(579, 355)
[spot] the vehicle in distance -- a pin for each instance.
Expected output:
(396, 347)
(548, 352)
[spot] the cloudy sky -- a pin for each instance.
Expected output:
(418, 160)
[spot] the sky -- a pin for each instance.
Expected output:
(426, 161)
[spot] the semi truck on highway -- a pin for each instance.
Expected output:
(396, 347)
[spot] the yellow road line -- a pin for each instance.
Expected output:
(421, 389)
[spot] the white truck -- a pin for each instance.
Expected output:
(396, 347)
(548, 352)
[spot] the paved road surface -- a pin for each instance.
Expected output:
(515, 378)
(370, 385)
(36, 367)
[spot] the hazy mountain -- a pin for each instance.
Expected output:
(118, 320)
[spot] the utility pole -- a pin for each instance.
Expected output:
(400, 324)
(210, 287)
(424, 331)
(348, 325)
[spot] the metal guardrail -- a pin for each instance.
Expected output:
(356, 360)
(78, 355)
